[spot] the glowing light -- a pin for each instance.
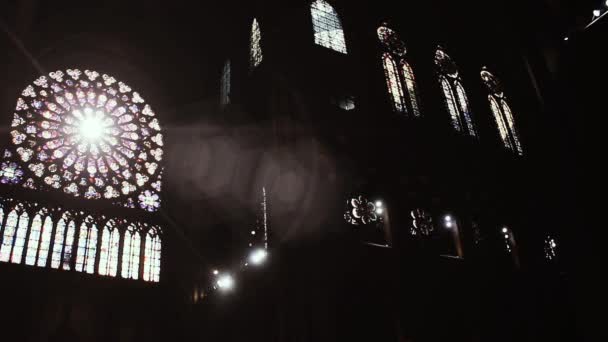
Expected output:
(596, 13)
(379, 211)
(226, 282)
(253, 232)
(449, 224)
(566, 38)
(379, 204)
(448, 218)
(91, 127)
(216, 272)
(258, 256)
(505, 230)
(506, 236)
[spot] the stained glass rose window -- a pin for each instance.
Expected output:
(88, 135)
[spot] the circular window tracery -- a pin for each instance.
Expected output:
(89, 135)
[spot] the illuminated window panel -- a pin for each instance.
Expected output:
(45, 242)
(19, 244)
(255, 45)
(464, 107)
(451, 103)
(71, 123)
(502, 112)
(10, 228)
(393, 83)
(410, 83)
(34, 241)
(152, 256)
(454, 94)
(110, 243)
(130, 255)
(500, 122)
(327, 27)
(68, 248)
(87, 248)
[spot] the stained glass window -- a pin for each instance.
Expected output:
(152, 256)
(45, 242)
(88, 135)
(255, 45)
(455, 96)
(410, 83)
(225, 90)
(327, 27)
(10, 228)
(394, 83)
(130, 253)
(502, 112)
(32, 244)
(110, 243)
(19, 244)
(68, 248)
(400, 80)
(87, 247)
(58, 244)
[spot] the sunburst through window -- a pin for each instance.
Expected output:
(88, 135)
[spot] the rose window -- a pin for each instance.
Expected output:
(88, 135)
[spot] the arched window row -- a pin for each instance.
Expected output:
(70, 240)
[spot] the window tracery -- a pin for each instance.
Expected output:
(454, 94)
(327, 27)
(502, 112)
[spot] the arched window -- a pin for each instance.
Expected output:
(152, 256)
(34, 240)
(255, 45)
(455, 96)
(393, 83)
(327, 26)
(10, 227)
(110, 243)
(130, 253)
(502, 112)
(64, 242)
(45, 242)
(87, 247)
(20, 235)
(400, 80)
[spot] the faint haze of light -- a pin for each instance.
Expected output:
(21, 47)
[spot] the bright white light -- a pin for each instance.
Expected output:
(379, 211)
(226, 282)
(553, 244)
(258, 256)
(505, 230)
(448, 218)
(448, 224)
(506, 236)
(91, 129)
(216, 272)
(596, 13)
(253, 232)
(566, 38)
(606, 3)
(379, 204)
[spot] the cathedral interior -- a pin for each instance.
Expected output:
(303, 170)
